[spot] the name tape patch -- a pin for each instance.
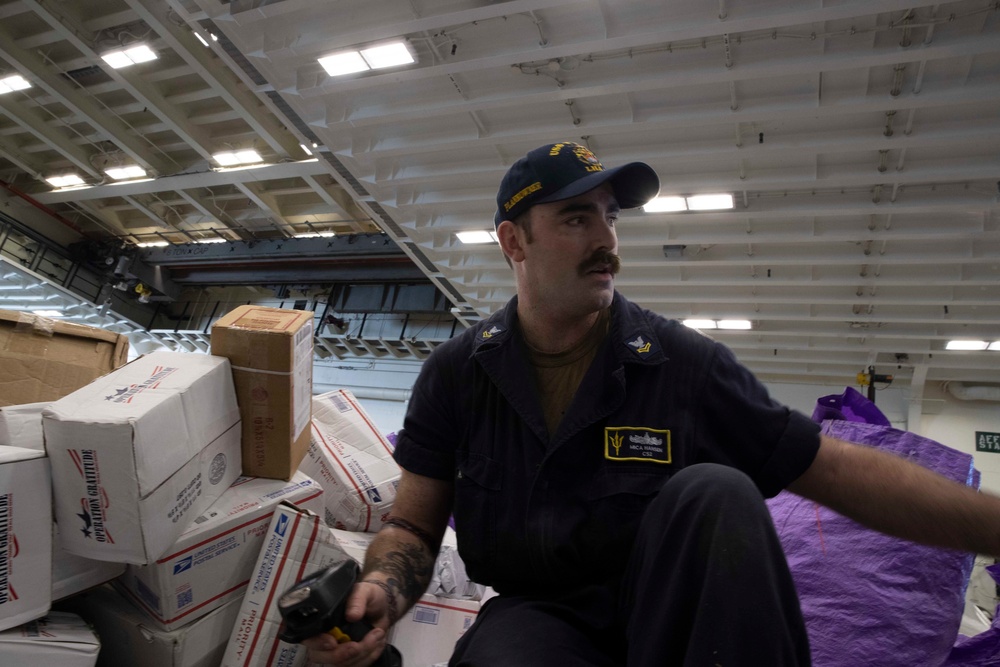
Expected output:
(637, 443)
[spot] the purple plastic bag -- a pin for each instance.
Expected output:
(850, 406)
(983, 650)
(868, 598)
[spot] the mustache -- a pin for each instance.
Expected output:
(601, 258)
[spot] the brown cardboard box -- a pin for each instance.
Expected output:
(42, 359)
(271, 352)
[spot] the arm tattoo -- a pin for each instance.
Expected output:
(408, 572)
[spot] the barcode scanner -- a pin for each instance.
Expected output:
(317, 604)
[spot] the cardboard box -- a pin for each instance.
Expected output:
(59, 638)
(129, 640)
(271, 351)
(72, 574)
(138, 453)
(211, 563)
(42, 359)
(298, 544)
(25, 536)
(353, 461)
(21, 425)
(427, 634)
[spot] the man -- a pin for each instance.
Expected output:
(607, 467)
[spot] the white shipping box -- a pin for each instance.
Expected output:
(298, 544)
(427, 634)
(59, 638)
(128, 640)
(25, 536)
(140, 452)
(211, 563)
(72, 574)
(21, 425)
(353, 461)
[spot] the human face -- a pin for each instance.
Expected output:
(569, 259)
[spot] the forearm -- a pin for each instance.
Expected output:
(401, 564)
(898, 497)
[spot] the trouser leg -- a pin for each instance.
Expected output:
(707, 582)
(514, 631)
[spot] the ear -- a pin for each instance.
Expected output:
(511, 239)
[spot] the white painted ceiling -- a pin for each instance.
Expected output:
(861, 140)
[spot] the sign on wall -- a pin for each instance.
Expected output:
(987, 442)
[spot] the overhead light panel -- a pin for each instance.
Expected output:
(731, 325)
(13, 82)
(153, 244)
(379, 56)
(65, 181)
(717, 202)
(673, 204)
(479, 236)
(204, 42)
(133, 55)
(347, 62)
(212, 240)
(968, 345)
(994, 346)
(48, 313)
(126, 173)
(665, 205)
(388, 55)
(314, 235)
(233, 158)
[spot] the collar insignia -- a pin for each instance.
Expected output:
(492, 331)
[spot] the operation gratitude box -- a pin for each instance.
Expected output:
(138, 453)
(271, 351)
(58, 638)
(211, 563)
(25, 536)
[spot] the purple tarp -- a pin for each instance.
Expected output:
(868, 598)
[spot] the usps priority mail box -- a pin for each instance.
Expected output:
(128, 640)
(353, 461)
(140, 452)
(25, 536)
(58, 638)
(211, 563)
(297, 544)
(426, 635)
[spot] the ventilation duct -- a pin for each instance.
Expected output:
(967, 392)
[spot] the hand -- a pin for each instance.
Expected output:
(368, 601)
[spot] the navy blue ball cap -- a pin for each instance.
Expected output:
(560, 171)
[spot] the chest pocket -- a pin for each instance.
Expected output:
(626, 489)
(478, 482)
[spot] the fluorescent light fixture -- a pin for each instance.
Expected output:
(130, 56)
(972, 345)
(13, 82)
(710, 202)
(739, 325)
(49, 313)
(233, 158)
(387, 55)
(306, 149)
(994, 346)
(379, 56)
(313, 235)
(347, 62)
(153, 244)
(65, 181)
(479, 236)
(665, 205)
(125, 173)
(700, 324)
(200, 39)
(211, 240)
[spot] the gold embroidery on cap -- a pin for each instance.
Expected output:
(521, 195)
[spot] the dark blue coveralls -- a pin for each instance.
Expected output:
(597, 559)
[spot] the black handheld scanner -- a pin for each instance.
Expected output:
(317, 604)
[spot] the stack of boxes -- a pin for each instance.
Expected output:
(150, 513)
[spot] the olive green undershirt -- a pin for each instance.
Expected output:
(558, 375)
